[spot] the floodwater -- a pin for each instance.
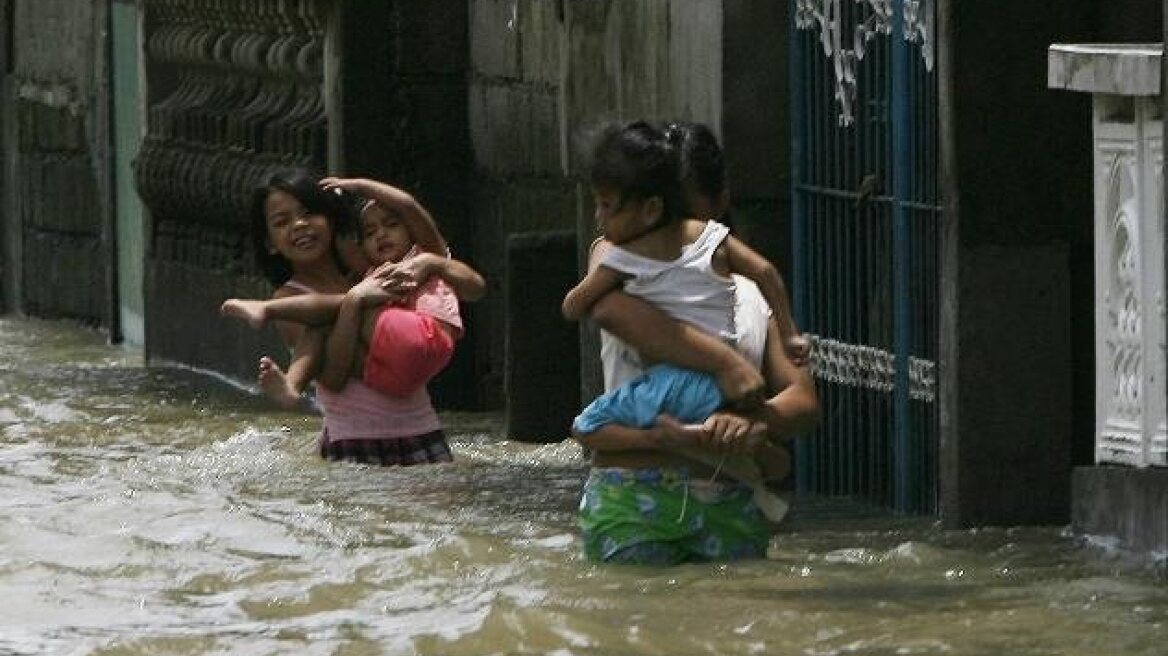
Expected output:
(161, 511)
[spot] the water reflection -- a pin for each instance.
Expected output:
(158, 511)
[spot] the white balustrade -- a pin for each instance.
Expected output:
(1128, 167)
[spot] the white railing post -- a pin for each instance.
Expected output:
(1127, 145)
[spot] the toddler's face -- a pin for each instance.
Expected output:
(384, 237)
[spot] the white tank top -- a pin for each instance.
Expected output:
(687, 288)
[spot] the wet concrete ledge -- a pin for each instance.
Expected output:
(1127, 69)
(1127, 503)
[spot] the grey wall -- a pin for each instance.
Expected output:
(57, 245)
(756, 131)
(545, 75)
(519, 183)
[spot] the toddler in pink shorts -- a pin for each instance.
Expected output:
(410, 344)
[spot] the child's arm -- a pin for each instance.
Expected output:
(744, 260)
(467, 284)
(341, 347)
(418, 220)
(580, 299)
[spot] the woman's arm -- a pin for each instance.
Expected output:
(306, 360)
(794, 408)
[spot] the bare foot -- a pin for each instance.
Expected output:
(275, 384)
(743, 386)
(252, 311)
(799, 350)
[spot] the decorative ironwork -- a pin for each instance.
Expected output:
(919, 28)
(1124, 364)
(856, 365)
(828, 16)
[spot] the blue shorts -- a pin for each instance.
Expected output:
(688, 395)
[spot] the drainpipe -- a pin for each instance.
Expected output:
(103, 153)
(10, 223)
(951, 501)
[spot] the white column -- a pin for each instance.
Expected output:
(1130, 401)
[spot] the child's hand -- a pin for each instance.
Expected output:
(734, 433)
(371, 292)
(420, 267)
(396, 278)
(337, 185)
(799, 350)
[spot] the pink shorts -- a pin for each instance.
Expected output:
(406, 350)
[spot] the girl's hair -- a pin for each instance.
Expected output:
(700, 156)
(636, 160)
(305, 188)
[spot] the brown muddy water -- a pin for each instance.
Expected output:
(161, 511)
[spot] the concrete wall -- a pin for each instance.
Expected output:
(519, 181)
(546, 75)
(429, 152)
(756, 130)
(57, 245)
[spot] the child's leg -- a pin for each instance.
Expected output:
(285, 388)
(311, 309)
(663, 389)
(253, 311)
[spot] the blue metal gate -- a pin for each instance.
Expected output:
(866, 208)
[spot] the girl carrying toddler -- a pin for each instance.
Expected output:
(295, 219)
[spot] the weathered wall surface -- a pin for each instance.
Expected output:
(56, 207)
(517, 134)
(544, 77)
(480, 108)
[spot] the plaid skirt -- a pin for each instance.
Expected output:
(423, 449)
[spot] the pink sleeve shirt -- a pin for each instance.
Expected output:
(437, 299)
